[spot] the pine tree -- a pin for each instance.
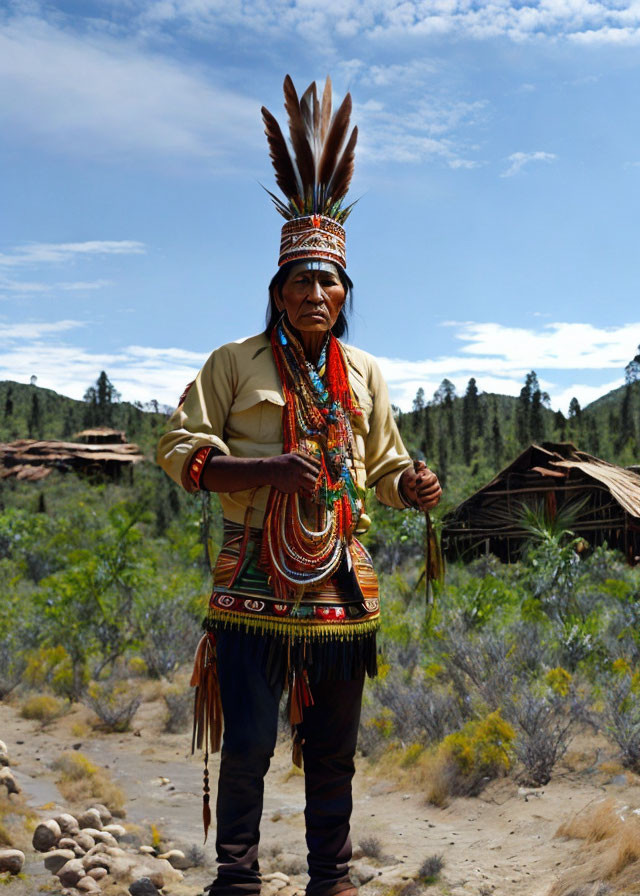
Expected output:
(8, 404)
(536, 420)
(470, 418)
(632, 370)
(525, 410)
(627, 429)
(560, 425)
(34, 423)
(428, 431)
(99, 399)
(575, 411)
(418, 407)
(497, 444)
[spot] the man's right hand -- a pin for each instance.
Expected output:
(293, 472)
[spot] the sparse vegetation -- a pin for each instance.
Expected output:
(429, 871)
(113, 704)
(81, 781)
(179, 710)
(43, 708)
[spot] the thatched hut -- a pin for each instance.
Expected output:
(548, 476)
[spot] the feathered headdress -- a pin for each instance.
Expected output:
(316, 176)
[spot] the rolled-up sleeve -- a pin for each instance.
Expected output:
(386, 458)
(200, 420)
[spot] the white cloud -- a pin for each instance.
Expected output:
(586, 21)
(520, 159)
(30, 288)
(100, 93)
(58, 253)
(34, 331)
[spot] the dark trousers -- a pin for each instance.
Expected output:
(329, 730)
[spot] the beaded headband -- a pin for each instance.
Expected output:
(316, 177)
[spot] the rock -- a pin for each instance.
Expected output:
(176, 859)
(85, 840)
(98, 848)
(276, 885)
(90, 863)
(143, 887)
(97, 873)
(116, 830)
(54, 860)
(4, 754)
(363, 873)
(159, 871)
(6, 778)
(79, 851)
(11, 860)
(115, 851)
(71, 873)
(276, 875)
(147, 850)
(90, 819)
(88, 885)
(68, 824)
(67, 843)
(104, 837)
(46, 835)
(103, 812)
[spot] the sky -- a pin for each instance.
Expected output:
(497, 178)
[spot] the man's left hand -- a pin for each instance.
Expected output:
(421, 487)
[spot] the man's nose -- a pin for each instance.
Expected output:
(316, 291)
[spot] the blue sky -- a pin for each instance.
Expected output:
(498, 168)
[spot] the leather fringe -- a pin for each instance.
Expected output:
(300, 697)
(207, 713)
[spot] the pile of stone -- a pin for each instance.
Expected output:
(11, 860)
(89, 852)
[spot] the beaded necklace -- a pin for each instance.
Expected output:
(304, 536)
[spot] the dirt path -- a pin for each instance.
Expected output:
(500, 843)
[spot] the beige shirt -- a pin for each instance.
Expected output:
(235, 405)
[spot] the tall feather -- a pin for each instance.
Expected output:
(314, 173)
(297, 131)
(341, 177)
(325, 113)
(333, 142)
(286, 174)
(309, 109)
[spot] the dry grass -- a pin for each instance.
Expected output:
(82, 782)
(610, 855)
(15, 822)
(43, 708)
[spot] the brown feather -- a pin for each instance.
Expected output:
(339, 183)
(297, 130)
(311, 114)
(325, 113)
(286, 176)
(333, 143)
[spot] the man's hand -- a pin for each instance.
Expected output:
(292, 472)
(420, 486)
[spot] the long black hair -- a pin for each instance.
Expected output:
(341, 326)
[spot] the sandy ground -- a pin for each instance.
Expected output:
(501, 842)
